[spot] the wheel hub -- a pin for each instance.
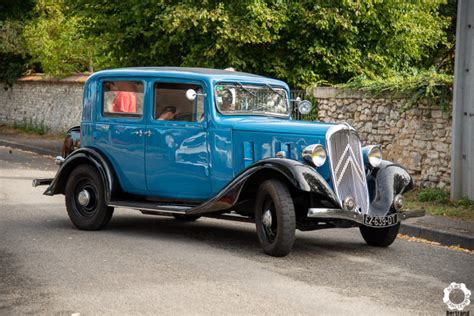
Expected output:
(267, 218)
(84, 197)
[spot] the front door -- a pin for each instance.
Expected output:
(176, 149)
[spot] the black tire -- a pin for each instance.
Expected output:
(278, 236)
(94, 215)
(186, 218)
(379, 237)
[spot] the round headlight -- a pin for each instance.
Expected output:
(304, 107)
(315, 154)
(398, 202)
(375, 156)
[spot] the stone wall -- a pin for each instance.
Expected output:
(55, 105)
(419, 139)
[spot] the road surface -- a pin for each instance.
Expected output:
(156, 265)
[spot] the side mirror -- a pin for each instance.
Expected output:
(191, 94)
(304, 107)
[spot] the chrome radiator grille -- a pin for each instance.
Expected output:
(347, 166)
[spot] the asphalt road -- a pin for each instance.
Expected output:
(156, 265)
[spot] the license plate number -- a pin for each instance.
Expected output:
(380, 221)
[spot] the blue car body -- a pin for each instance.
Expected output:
(215, 162)
(205, 156)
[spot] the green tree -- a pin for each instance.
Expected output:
(302, 42)
(14, 57)
(57, 41)
(299, 41)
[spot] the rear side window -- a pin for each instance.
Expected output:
(171, 103)
(123, 98)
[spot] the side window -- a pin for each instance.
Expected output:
(123, 98)
(171, 103)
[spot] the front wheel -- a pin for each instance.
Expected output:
(85, 199)
(275, 218)
(379, 237)
(186, 218)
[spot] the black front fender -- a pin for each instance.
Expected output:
(81, 156)
(301, 176)
(386, 181)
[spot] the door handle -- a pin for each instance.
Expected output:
(148, 133)
(138, 133)
(102, 127)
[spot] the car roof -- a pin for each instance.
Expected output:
(193, 72)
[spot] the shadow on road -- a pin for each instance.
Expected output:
(226, 235)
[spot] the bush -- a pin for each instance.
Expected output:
(465, 202)
(414, 85)
(433, 195)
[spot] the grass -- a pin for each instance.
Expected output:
(29, 132)
(436, 202)
(31, 128)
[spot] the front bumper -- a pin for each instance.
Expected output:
(332, 213)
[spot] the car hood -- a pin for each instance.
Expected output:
(257, 138)
(276, 125)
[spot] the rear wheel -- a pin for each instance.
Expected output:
(85, 199)
(275, 218)
(379, 237)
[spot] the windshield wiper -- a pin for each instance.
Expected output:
(249, 91)
(274, 90)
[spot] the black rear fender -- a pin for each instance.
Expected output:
(72, 141)
(84, 156)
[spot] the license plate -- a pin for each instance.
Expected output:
(380, 221)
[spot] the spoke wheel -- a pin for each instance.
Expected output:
(85, 199)
(275, 218)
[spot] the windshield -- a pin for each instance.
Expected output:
(244, 99)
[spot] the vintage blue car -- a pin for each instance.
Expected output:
(191, 142)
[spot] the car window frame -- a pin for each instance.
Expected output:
(179, 80)
(252, 84)
(121, 116)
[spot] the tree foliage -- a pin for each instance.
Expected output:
(413, 86)
(302, 42)
(57, 42)
(14, 56)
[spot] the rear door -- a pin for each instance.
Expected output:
(176, 154)
(118, 132)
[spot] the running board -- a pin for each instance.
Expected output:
(228, 216)
(150, 207)
(231, 217)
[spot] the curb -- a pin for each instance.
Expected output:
(32, 148)
(442, 237)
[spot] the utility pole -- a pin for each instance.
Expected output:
(462, 162)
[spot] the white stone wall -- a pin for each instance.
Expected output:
(55, 105)
(419, 139)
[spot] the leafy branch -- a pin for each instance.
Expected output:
(413, 86)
